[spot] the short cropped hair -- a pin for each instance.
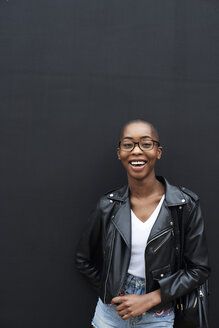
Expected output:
(154, 130)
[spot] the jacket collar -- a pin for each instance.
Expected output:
(173, 194)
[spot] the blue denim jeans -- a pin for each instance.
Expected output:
(107, 317)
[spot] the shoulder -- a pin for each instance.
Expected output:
(119, 194)
(189, 193)
(111, 191)
(192, 199)
(178, 195)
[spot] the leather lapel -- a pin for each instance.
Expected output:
(162, 222)
(122, 222)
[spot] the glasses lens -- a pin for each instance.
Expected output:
(126, 145)
(146, 144)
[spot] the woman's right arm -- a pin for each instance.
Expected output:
(88, 257)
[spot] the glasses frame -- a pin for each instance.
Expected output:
(138, 143)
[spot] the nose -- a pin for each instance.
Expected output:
(136, 150)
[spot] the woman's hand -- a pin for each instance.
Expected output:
(133, 305)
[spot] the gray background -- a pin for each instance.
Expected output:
(71, 73)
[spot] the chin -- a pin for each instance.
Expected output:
(140, 176)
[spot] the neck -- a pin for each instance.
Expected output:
(143, 188)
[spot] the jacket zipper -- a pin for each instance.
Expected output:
(150, 241)
(111, 253)
(195, 302)
(200, 292)
(181, 307)
(163, 241)
(161, 234)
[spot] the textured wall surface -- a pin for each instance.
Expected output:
(71, 73)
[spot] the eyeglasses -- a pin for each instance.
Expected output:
(145, 144)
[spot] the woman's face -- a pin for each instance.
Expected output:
(138, 163)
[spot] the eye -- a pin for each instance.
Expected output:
(146, 144)
(127, 145)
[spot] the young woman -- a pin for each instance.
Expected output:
(128, 249)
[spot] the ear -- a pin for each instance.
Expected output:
(118, 154)
(159, 152)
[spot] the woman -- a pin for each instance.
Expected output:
(128, 249)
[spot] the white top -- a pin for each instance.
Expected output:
(140, 233)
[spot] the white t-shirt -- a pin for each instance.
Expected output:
(140, 233)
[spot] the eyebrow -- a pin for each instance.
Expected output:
(140, 137)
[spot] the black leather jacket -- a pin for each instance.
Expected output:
(104, 250)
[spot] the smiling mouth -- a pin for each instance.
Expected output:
(138, 164)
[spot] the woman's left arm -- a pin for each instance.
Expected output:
(195, 256)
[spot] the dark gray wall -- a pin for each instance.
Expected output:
(71, 73)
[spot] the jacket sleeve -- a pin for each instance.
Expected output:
(88, 257)
(195, 256)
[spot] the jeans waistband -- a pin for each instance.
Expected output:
(133, 280)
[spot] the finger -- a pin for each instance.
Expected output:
(124, 312)
(117, 299)
(126, 316)
(120, 307)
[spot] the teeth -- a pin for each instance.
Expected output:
(137, 162)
